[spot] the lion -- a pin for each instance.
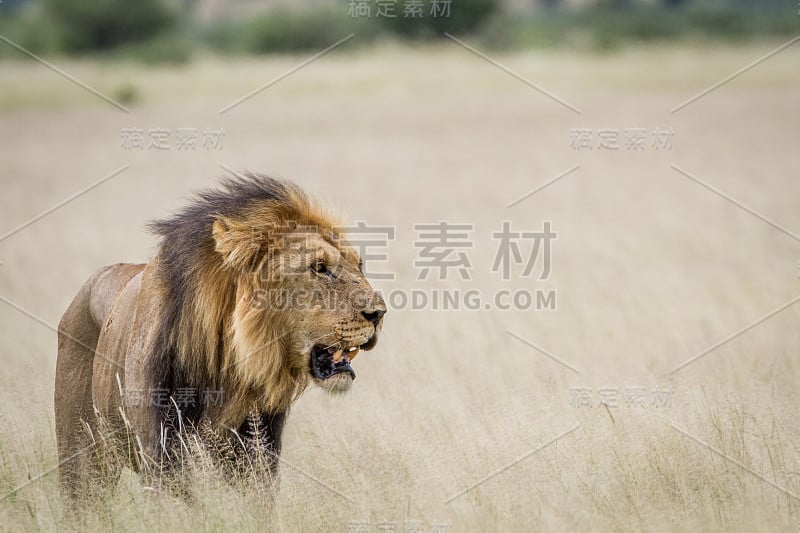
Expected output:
(253, 295)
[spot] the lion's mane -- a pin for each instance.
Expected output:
(198, 346)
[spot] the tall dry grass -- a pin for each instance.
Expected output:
(650, 268)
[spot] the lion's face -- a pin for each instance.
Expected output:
(303, 308)
(335, 311)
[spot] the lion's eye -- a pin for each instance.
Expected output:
(320, 268)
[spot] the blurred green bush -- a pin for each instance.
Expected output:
(607, 25)
(157, 31)
(285, 30)
(106, 24)
(149, 30)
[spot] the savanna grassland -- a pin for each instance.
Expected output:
(654, 264)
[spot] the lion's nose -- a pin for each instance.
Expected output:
(374, 316)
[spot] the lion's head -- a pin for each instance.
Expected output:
(266, 294)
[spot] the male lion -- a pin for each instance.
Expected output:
(201, 317)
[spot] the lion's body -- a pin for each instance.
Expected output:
(186, 321)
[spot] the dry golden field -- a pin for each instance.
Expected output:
(454, 422)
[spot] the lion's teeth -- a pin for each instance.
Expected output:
(338, 355)
(353, 353)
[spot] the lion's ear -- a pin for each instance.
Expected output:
(235, 242)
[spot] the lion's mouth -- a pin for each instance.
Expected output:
(327, 361)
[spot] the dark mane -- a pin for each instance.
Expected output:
(234, 195)
(186, 255)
